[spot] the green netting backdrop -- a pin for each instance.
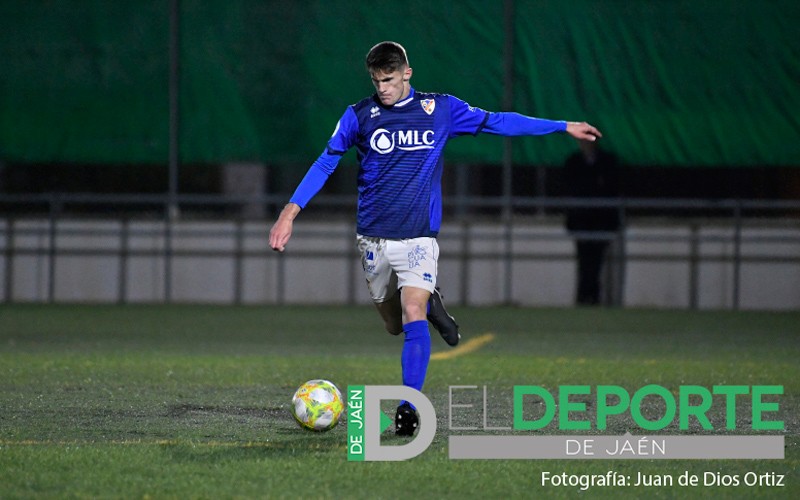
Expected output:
(691, 83)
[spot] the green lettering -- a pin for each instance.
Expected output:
(520, 391)
(699, 411)
(604, 409)
(566, 406)
(730, 392)
(636, 407)
(760, 407)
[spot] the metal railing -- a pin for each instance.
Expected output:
(463, 211)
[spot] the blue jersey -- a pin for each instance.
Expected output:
(400, 150)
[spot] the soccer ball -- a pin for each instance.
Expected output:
(317, 405)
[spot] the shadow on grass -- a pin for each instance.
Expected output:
(289, 445)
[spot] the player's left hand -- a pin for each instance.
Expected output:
(583, 131)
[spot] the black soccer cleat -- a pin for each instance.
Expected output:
(441, 320)
(406, 420)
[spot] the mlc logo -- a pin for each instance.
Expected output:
(383, 141)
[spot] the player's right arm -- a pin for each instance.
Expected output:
(282, 229)
(342, 139)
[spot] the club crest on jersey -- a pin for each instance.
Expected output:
(428, 105)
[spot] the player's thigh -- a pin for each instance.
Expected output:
(415, 261)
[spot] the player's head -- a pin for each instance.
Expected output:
(387, 57)
(388, 67)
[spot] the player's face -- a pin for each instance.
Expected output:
(391, 87)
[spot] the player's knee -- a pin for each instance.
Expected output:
(394, 327)
(414, 311)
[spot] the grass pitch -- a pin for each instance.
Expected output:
(193, 401)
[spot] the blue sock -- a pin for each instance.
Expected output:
(416, 353)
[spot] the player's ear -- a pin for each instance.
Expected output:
(407, 74)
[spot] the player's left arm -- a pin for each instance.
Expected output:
(471, 120)
(515, 124)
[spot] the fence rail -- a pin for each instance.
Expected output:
(51, 229)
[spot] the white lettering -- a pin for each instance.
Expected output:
(383, 141)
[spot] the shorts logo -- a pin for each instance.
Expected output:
(428, 105)
(384, 142)
(416, 256)
(427, 277)
(368, 262)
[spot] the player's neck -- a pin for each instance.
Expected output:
(406, 98)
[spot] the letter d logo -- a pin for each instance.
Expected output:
(364, 427)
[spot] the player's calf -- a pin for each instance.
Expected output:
(444, 323)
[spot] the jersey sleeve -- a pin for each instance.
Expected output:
(515, 124)
(467, 119)
(343, 138)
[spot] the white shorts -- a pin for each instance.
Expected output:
(392, 264)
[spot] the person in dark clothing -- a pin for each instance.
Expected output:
(591, 173)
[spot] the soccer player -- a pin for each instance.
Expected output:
(400, 135)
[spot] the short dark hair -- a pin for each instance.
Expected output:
(387, 57)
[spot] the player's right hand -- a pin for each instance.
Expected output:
(279, 234)
(282, 229)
